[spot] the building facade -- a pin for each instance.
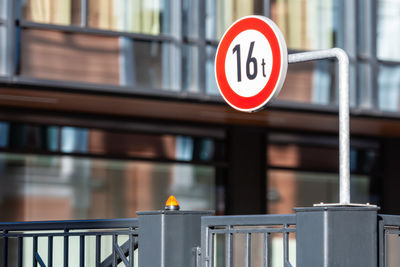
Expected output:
(109, 106)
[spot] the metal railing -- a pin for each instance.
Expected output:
(62, 243)
(389, 240)
(218, 241)
(229, 239)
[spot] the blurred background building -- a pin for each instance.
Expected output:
(109, 106)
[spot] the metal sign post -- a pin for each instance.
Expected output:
(344, 121)
(266, 51)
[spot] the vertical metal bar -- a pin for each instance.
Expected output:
(202, 48)
(344, 117)
(373, 52)
(5, 249)
(398, 252)
(285, 245)
(98, 250)
(267, 8)
(114, 255)
(344, 128)
(84, 13)
(66, 248)
(82, 251)
(382, 256)
(211, 249)
(228, 247)
(11, 38)
(247, 250)
(20, 250)
(131, 252)
(35, 245)
(204, 262)
(50, 251)
(349, 23)
(266, 250)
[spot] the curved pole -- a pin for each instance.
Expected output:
(344, 125)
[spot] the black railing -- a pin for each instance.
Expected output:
(109, 242)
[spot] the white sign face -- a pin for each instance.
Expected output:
(248, 64)
(251, 63)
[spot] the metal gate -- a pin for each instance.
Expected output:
(318, 236)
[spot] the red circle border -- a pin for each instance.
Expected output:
(235, 100)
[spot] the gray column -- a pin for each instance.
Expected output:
(336, 236)
(167, 238)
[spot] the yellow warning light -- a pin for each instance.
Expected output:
(172, 203)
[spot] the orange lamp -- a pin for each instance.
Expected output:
(172, 204)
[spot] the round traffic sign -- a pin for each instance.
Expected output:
(251, 63)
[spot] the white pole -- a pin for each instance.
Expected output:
(344, 117)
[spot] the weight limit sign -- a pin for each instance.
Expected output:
(251, 63)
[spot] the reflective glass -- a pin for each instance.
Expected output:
(308, 25)
(319, 153)
(364, 79)
(146, 64)
(287, 189)
(191, 68)
(83, 188)
(389, 88)
(363, 31)
(191, 18)
(311, 82)
(388, 30)
(150, 16)
(221, 13)
(95, 59)
(211, 83)
(3, 9)
(66, 139)
(74, 140)
(62, 12)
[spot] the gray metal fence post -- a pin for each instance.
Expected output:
(167, 238)
(342, 236)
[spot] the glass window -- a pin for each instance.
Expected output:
(71, 57)
(302, 170)
(191, 24)
(311, 82)
(63, 187)
(191, 68)
(388, 30)
(211, 83)
(3, 9)
(389, 88)
(95, 59)
(221, 13)
(62, 12)
(365, 83)
(66, 139)
(138, 16)
(287, 189)
(308, 25)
